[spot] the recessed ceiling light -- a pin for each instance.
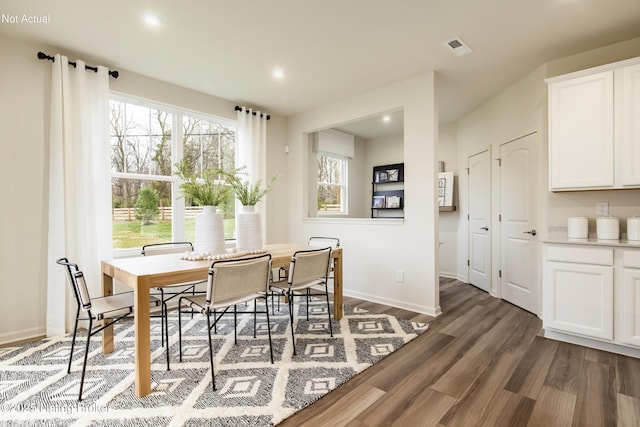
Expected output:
(386, 119)
(278, 73)
(151, 20)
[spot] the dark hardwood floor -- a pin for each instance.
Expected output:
(483, 363)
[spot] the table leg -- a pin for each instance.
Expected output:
(107, 333)
(337, 287)
(142, 340)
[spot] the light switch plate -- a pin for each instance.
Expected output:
(602, 208)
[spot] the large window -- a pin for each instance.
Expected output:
(332, 184)
(146, 141)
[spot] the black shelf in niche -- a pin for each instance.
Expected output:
(388, 191)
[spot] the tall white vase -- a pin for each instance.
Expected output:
(248, 230)
(209, 231)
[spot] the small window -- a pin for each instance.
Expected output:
(332, 184)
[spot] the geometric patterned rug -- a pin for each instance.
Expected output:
(35, 388)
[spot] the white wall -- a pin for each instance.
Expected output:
(374, 250)
(448, 224)
(23, 168)
(24, 108)
(358, 187)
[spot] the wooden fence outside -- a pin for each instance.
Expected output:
(129, 214)
(330, 208)
(190, 212)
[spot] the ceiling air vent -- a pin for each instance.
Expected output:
(458, 46)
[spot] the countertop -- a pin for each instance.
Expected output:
(562, 238)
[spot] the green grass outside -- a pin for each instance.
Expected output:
(135, 235)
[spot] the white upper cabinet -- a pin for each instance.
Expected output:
(630, 125)
(594, 128)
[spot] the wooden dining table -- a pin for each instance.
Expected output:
(145, 273)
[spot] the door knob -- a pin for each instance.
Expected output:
(484, 228)
(532, 232)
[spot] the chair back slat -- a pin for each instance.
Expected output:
(75, 278)
(167, 248)
(309, 265)
(323, 242)
(231, 279)
(83, 292)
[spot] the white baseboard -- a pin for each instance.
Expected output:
(450, 275)
(25, 334)
(431, 311)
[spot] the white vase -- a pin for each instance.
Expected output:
(209, 231)
(248, 230)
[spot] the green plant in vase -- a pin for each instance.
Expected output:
(247, 193)
(209, 190)
(248, 223)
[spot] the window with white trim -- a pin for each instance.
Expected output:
(147, 140)
(332, 184)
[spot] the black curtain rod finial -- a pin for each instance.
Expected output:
(42, 55)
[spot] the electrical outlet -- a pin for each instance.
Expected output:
(399, 276)
(602, 208)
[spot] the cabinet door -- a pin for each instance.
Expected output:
(581, 154)
(630, 318)
(630, 125)
(578, 298)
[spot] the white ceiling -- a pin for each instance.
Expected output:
(329, 49)
(375, 126)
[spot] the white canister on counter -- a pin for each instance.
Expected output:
(578, 227)
(608, 228)
(633, 228)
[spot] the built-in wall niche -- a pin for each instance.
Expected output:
(362, 143)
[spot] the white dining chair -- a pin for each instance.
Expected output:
(230, 282)
(308, 270)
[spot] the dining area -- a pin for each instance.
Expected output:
(144, 274)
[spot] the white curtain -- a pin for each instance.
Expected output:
(251, 149)
(79, 184)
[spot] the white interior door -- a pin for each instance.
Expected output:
(519, 264)
(479, 220)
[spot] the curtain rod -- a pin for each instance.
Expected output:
(42, 55)
(254, 113)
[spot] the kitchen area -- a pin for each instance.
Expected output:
(591, 253)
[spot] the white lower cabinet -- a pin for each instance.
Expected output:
(630, 299)
(592, 293)
(578, 297)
